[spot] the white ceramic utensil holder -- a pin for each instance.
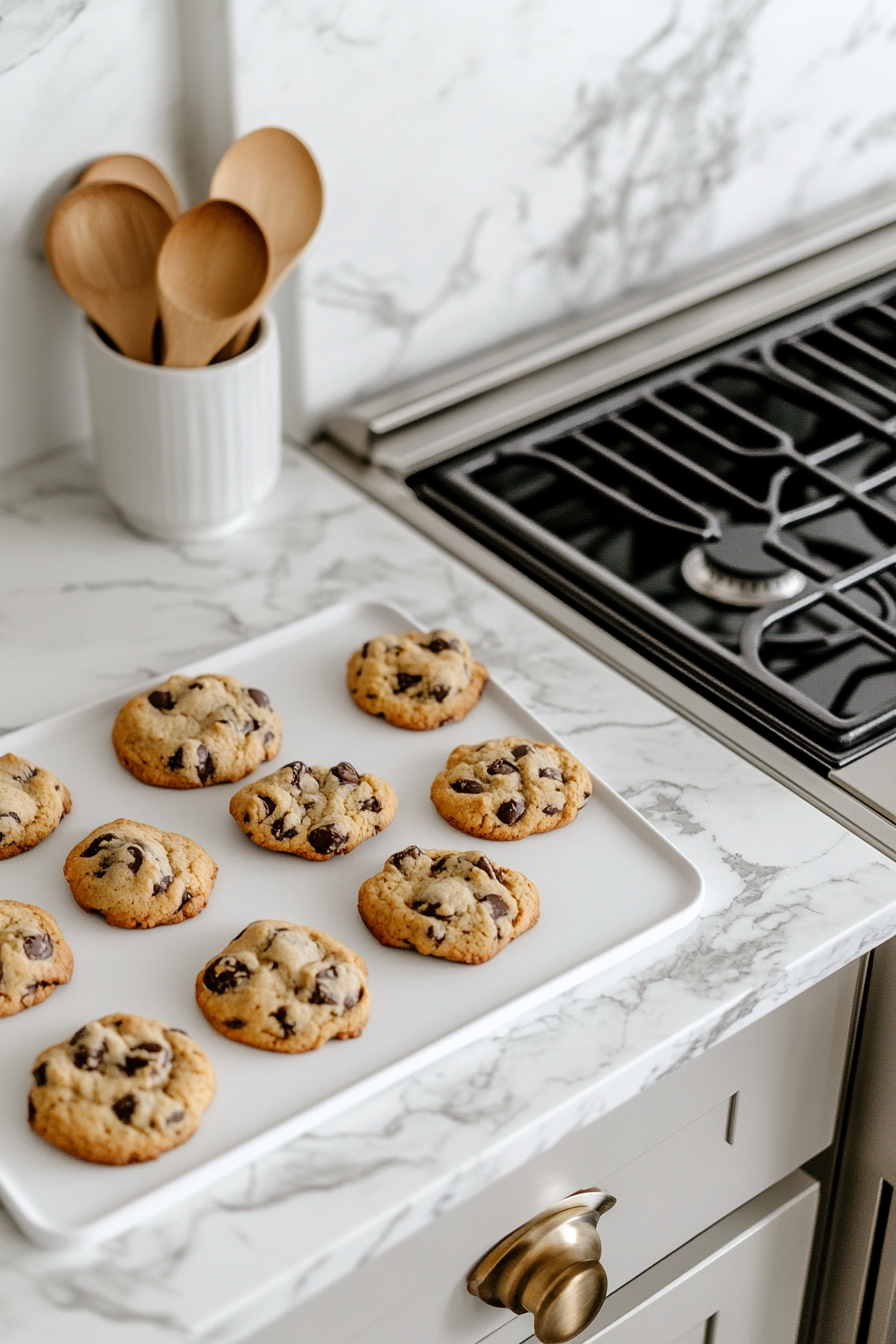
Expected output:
(186, 454)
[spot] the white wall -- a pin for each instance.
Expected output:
(493, 165)
(489, 164)
(78, 78)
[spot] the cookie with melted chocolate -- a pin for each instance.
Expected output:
(314, 811)
(415, 680)
(138, 877)
(448, 903)
(285, 987)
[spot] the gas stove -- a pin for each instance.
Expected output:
(719, 523)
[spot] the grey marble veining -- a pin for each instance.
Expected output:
(491, 168)
(86, 607)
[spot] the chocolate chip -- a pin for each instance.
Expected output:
(196, 686)
(40, 1075)
(406, 679)
(268, 803)
(496, 905)
(522, 750)
(352, 1000)
(185, 899)
(486, 866)
(234, 1023)
(151, 1047)
(162, 885)
(176, 762)
(261, 700)
(502, 767)
(346, 773)
(175, 1117)
(88, 1057)
(431, 911)
(412, 852)
(364, 650)
(282, 1016)
(250, 726)
(552, 811)
(137, 857)
(321, 994)
(548, 772)
(205, 764)
(439, 865)
(468, 786)
(327, 839)
(439, 692)
(38, 946)
(125, 1107)
(160, 700)
(436, 933)
(15, 816)
(133, 1064)
(279, 831)
(299, 768)
(96, 845)
(224, 974)
(371, 805)
(32, 1109)
(511, 811)
(439, 645)
(268, 737)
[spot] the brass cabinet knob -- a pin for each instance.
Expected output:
(551, 1267)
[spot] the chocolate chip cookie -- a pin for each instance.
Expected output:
(138, 877)
(123, 1089)
(34, 957)
(416, 680)
(448, 903)
(510, 787)
(313, 811)
(32, 804)
(285, 987)
(189, 732)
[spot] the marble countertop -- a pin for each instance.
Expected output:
(87, 609)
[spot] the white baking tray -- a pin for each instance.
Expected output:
(610, 884)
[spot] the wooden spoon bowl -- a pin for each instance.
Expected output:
(270, 173)
(102, 244)
(212, 273)
(139, 172)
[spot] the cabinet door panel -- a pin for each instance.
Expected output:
(678, 1156)
(740, 1282)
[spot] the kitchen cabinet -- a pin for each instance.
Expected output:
(681, 1157)
(739, 1282)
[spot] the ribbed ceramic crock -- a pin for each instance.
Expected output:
(186, 454)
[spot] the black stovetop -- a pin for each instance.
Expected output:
(774, 456)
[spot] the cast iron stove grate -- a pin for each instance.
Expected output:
(734, 518)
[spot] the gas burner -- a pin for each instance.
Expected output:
(738, 571)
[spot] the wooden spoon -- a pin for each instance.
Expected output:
(102, 243)
(139, 172)
(271, 174)
(212, 272)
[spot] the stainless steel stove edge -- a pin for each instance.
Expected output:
(433, 417)
(852, 795)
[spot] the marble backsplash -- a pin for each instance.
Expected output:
(488, 167)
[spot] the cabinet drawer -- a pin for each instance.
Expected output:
(740, 1282)
(679, 1157)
